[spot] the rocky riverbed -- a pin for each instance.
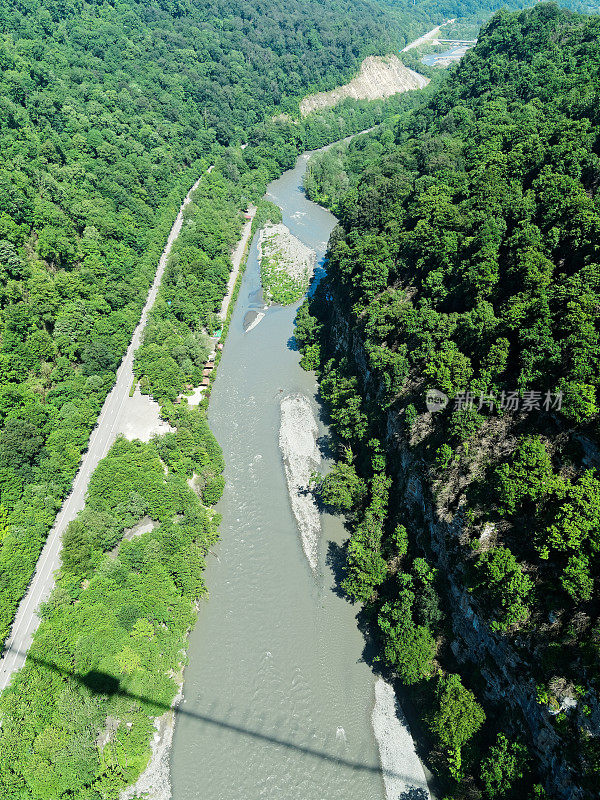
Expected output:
(286, 264)
(298, 443)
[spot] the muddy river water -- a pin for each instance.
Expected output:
(278, 701)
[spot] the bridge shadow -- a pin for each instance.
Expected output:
(106, 685)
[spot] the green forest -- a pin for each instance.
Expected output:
(467, 261)
(109, 112)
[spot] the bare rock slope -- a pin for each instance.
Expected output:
(379, 76)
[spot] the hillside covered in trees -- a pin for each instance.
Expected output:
(108, 113)
(467, 261)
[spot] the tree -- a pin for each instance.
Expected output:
(575, 525)
(504, 587)
(400, 540)
(448, 369)
(20, 446)
(503, 767)
(576, 579)
(342, 488)
(78, 547)
(456, 720)
(409, 648)
(529, 476)
(3, 523)
(366, 567)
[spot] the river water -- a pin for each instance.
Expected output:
(277, 699)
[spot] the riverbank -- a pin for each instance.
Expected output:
(278, 700)
(403, 773)
(236, 261)
(154, 783)
(199, 393)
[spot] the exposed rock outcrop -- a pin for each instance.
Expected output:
(379, 77)
(507, 675)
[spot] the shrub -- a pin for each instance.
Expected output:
(457, 719)
(505, 765)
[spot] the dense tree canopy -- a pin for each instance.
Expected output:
(108, 113)
(467, 262)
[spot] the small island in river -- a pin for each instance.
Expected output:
(286, 265)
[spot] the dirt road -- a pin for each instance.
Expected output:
(112, 420)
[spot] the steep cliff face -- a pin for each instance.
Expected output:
(436, 516)
(379, 77)
(466, 268)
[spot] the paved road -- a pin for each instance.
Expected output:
(427, 37)
(27, 620)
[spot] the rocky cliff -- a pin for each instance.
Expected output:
(436, 515)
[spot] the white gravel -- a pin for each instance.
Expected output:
(293, 258)
(403, 773)
(140, 418)
(298, 442)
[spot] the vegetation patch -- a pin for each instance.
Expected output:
(286, 265)
(105, 658)
(466, 264)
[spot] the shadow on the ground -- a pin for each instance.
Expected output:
(336, 561)
(327, 447)
(104, 684)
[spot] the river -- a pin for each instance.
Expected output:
(278, 700)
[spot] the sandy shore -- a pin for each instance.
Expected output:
(403, 773)
(298, 443)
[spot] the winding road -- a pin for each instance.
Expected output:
(110, 423)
